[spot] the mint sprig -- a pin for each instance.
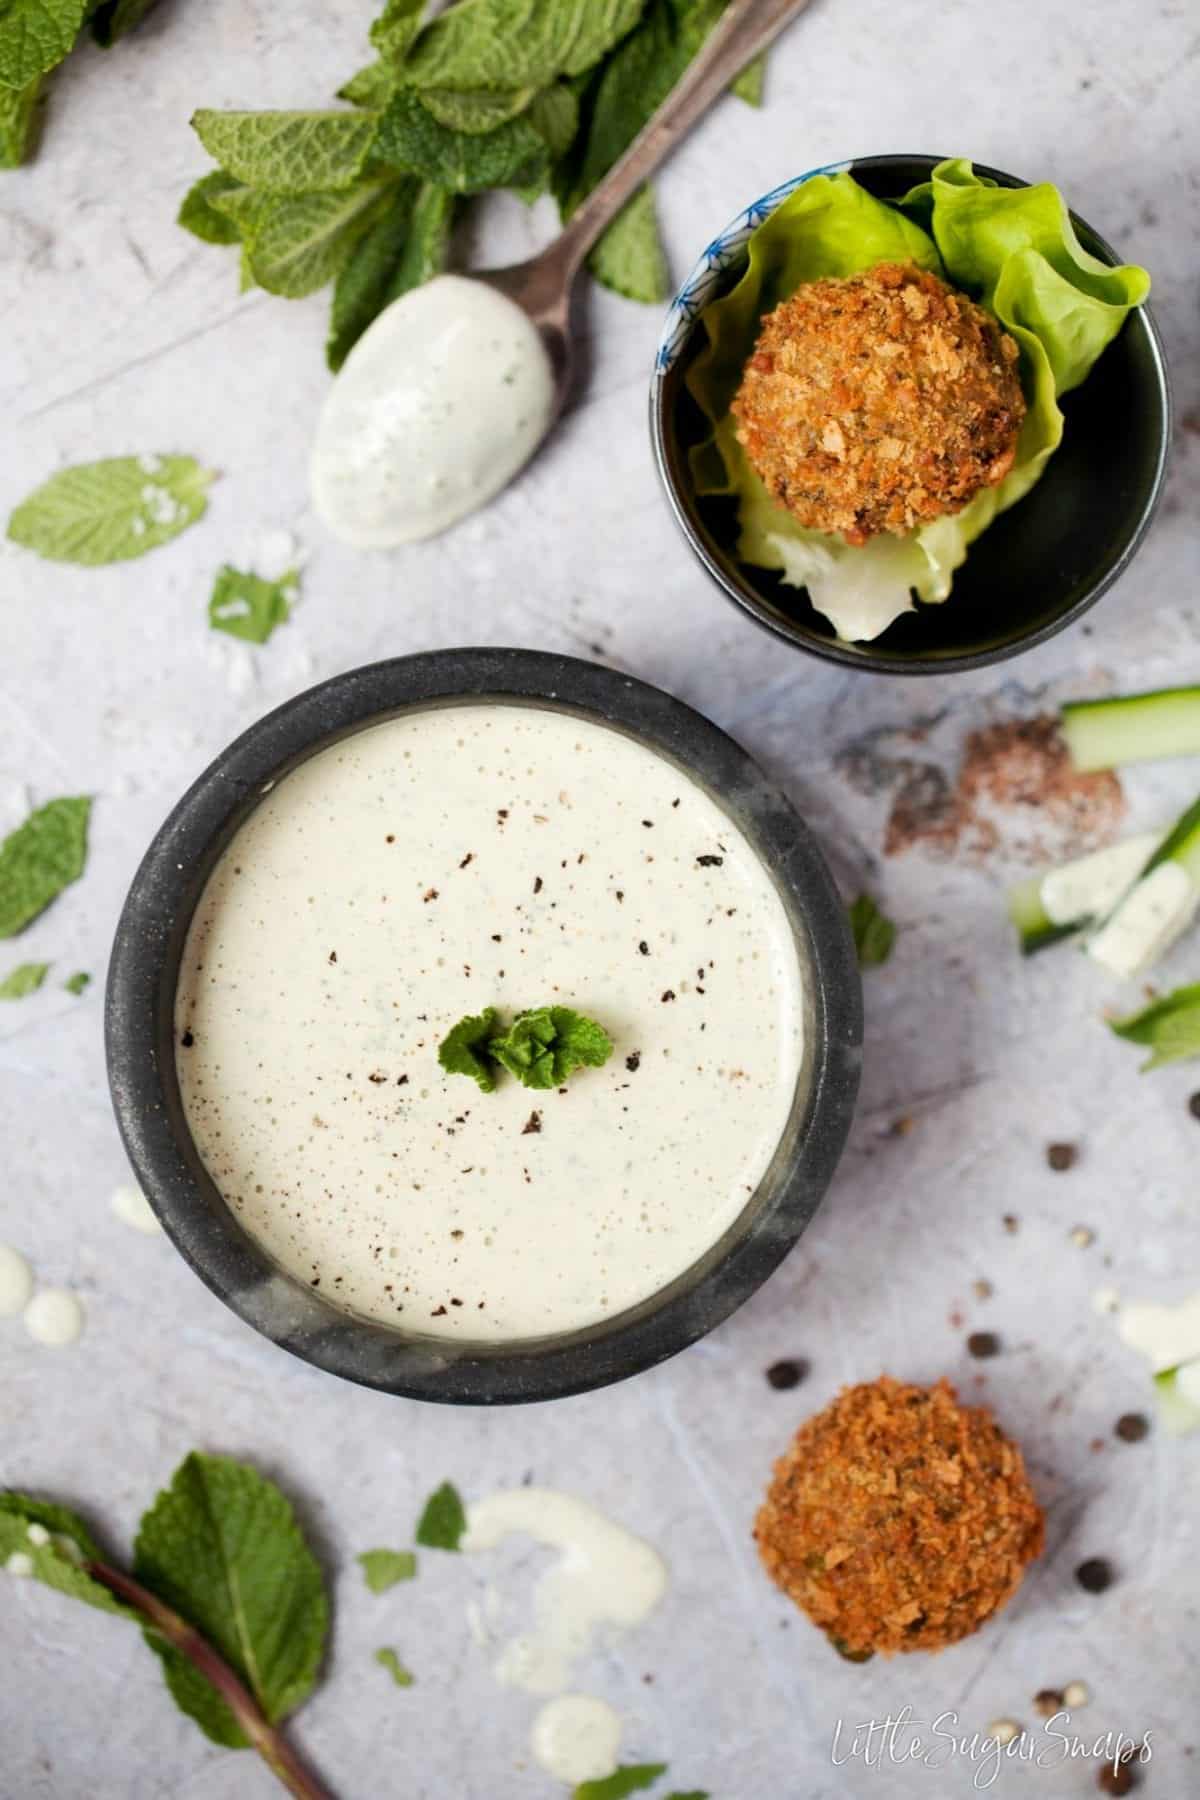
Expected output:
(37, 35)
(464, 1049)
(248, 606)
(541, 1047)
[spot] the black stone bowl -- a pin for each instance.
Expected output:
(141, 1039)
(1036, 569)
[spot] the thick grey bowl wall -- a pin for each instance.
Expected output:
(1035, 570)
(141, 1038)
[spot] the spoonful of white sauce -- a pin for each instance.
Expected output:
(453, 387)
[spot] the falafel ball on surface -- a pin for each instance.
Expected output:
(875, 402)
(899, 1519)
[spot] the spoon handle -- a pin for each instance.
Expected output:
(746, 27)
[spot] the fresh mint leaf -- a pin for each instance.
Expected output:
(631, 1778)
(371, 86)
(394, 30)
(628, 256)
(35, 35)
(362, 288)
(247, 606)
(382, 1569)
(475, 112)
(115, 18)
(692, 1794)
(1169, 1028)
(395, 1668)
(109, 511)
(51, 1544)
(411, 139)
(26, 978)
(509, 44)
(20, 121)
(40, 858)
(75, 984)
(749, 87)
(288, 152)
(198, 215)
(874, 933)
(444, 1519)
(221, 1545)
(544, 1046)
(297, 244)
(554, 115)
(464, 1047)
(427, 250)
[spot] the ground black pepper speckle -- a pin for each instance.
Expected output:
(789, 1372)
(1094, 1575)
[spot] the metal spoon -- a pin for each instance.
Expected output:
(453, 387)
(542, 286)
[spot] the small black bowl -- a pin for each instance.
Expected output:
(139, 1025)
(1036, 569)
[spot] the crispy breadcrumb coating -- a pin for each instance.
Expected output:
(898, 1519)
(875, 402)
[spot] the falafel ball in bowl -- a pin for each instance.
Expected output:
(899, 1519)
(911, 415)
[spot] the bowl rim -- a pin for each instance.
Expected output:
(140, 1045)
(682, 317)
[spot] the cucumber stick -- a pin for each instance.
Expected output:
(1053, 906)
(1102, 734)
(1158, 908)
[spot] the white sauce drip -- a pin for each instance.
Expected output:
(604, 1575)
(1147, 922)
(54, 1317)
(440, 402)
(354, 919)
(16, 1282)
(19, 1563)
(576, 1738)
(1167, 1335)
(131, 1206)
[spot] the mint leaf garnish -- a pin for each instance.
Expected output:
(198, 215)
(394, 30)
(629, 257)
(221, 1546)
(382, 1569)
(295, 244)
(75, 984)
(40, 858)
(35, 35)
(47, 1543)
(20, 121)
(749, 86)
(464, 1048)
(26, 978)
(1169, 1027)
(631, 1778)
(874, 933)
(692, 1794)
(406, 246)
(288, 152)
(512, 154)
(444, 1519)
(543, 1047)
(513, 44)
(113, 19)
(104, 512)
(247, 606)
(395, 1668)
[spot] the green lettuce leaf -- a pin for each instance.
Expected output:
(41, 857)
(1015, 250)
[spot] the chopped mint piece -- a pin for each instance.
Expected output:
(874, 933)
(382, 1569)
(40, 858)
(35, 35)
(543, 1047)
(462, 1050)
(222, 1546)
(692, 1794)
(395, 1668)
(76, 983)
(444, 1519)
(26, 978)
(288, 152)
(248, 607)
(108, 511)
(198, 215)
(1170, 1027)
(631, 1778)
(514, 154)
(748, 86)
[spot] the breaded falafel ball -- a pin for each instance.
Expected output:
(877, 401)
(898, 1519)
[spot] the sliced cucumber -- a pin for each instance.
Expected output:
(1050, 907)
(1103, 734)
(1158, 908)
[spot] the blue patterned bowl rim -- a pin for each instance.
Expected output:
(724, 249)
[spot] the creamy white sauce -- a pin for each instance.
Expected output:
(1090, 886)
(131, 1206)
(1147, 922)
(603, 1576)
(576, 1738)
(54, 1317)
(426, 868)
(1167, 1335)
(19, 1563)
(16, 1282)
(438, 405)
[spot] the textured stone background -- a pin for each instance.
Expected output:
(121, 334)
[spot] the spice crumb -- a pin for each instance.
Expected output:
(1094, 1575)
(1062, 1156)
(669, 994)
(532, 1124)
(429, 894)
(1011, 1224)
(633, 1061)
(983, 1343)
(1082, 1236)
(1131, 1428)
(1047, 1701)
(982, 1290)
(789, 1372)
